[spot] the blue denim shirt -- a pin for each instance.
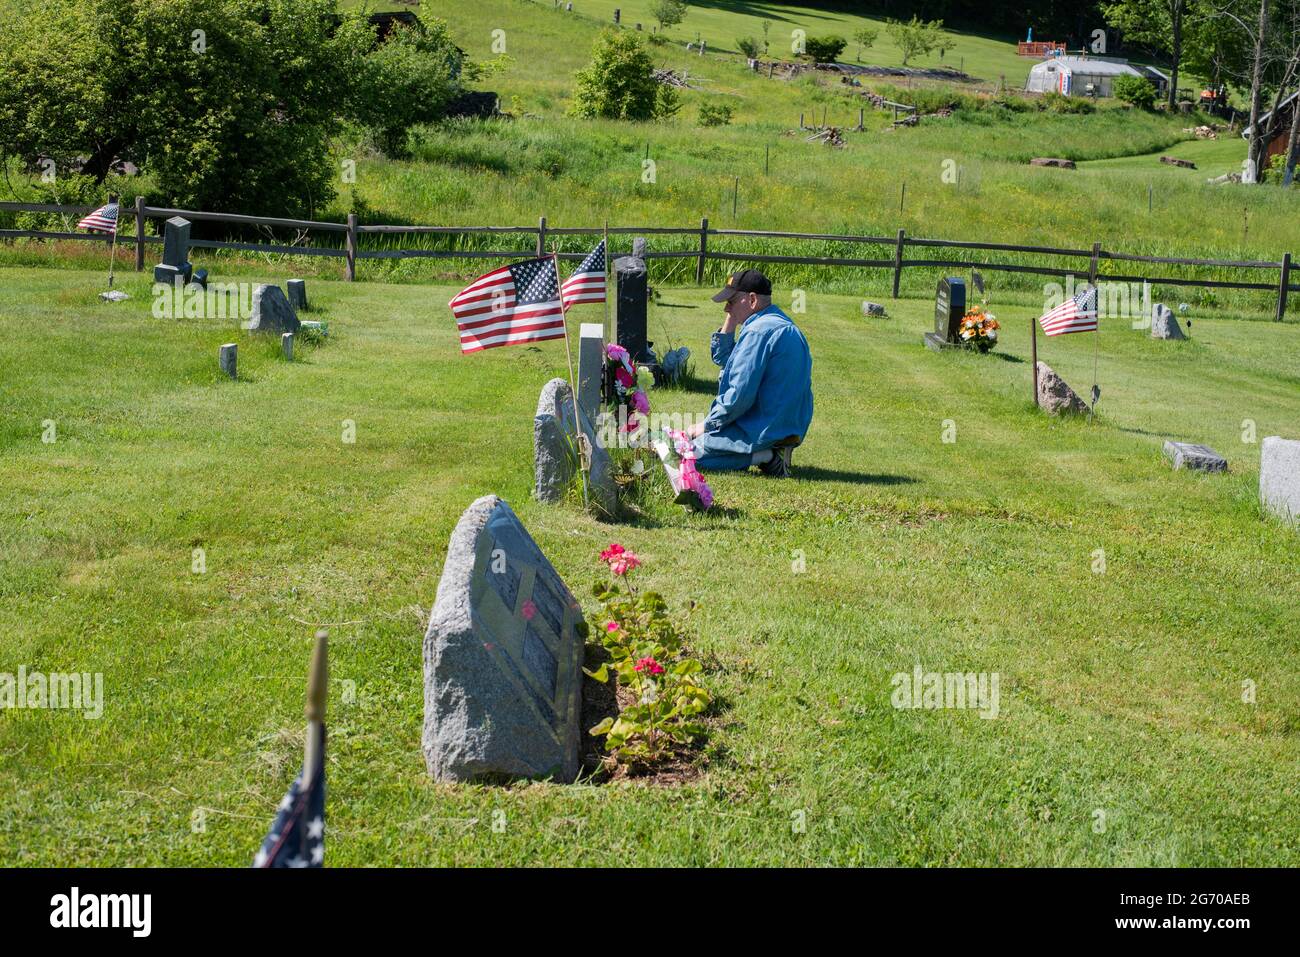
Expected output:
(765, 389)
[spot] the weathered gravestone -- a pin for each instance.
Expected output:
(1164, 325)
(175, 263)
(297, 293)
(555, 450)
(1279, 477)
(1202, 458)
(271, 311)
(286, 345)
(502, 657)
(1054, 396)
(631, 282)
(228, 357)
(591, 368)
(674, 364)
(873, 309)
(949, 310)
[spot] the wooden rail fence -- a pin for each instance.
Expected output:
(700, 251)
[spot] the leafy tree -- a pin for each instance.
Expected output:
(1159, 23)
(864, 38)
(915, 38)
(748, 46)
(407, 80)
(619, 82)
(825, 49)
(669, 13)
(1135, 91)
(228, 104)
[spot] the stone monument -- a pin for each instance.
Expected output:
(949, 310)
(502, 657)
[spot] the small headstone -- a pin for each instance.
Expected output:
(286, 345)
(555, 450)
(1185, 455)
(674, 364)
(1175, 161)
(873, 309)
(617, 13)
(591, 367)
(272, 312)
(1164, 324)
(228, 357)
(200, 278)
(176, 249)
(1052, 161)
(297, 293)
(322, 327)
(1054, 396)
(114, 295)
(949, 310)
(1279, 477)
(502, 657)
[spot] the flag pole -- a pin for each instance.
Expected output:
(112, 256)
(584, 453)
(317, 691)
(609, 267)
(1033, 340)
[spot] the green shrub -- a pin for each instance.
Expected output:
(825, 49)
(619, 82)
(669, 13)
(715, 114)
(748, 46)
(1135, 91)
(1055, 102)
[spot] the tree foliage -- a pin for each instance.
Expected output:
(1135, 91)
(619, 82)
(825, 49)
(916, 37)
(228, 104)
(668, 13)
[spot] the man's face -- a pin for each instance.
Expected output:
(741, 306)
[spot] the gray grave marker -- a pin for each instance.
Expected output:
(1185, 455)
(286, 345)
(297, 293)
(555, 450)
(228, 357)
(176, 249)
(591, 368)
(502, 657)
(1279, 477)
(272, 312)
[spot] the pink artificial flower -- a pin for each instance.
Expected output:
(640, 402)
(650, 665)
(624, 378)
(682, 442)
(693, 480)
(617, 353)
(611, 626)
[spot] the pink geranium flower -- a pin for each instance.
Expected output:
(650, 665)
(614, 549)
(611, 626)
(624, 563)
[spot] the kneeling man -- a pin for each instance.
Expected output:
(765, 402)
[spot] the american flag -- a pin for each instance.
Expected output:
(1077, 314)
(297, 837)
(587, 284)
(511, 305)
(102, 220)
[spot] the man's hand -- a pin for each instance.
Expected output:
(728, 326)
(695, 431)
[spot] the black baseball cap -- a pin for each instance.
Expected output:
(747, 280)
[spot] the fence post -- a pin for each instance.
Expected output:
(352, 247)
(1092, 263)
(541, 237)
(704, 250)
(1282, 287)
(898, 260)
(139, 233)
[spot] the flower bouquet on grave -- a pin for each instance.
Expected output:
(630, 406)
(979, 329)
(678, 455)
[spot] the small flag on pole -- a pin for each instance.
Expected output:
(102, 220)
(509, 306)
(587, 284)
(297, 837)
(1076, 314)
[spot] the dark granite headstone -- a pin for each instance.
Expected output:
(631, 282)
(949, 310)
(176, 249)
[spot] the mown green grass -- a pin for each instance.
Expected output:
(1119, 691)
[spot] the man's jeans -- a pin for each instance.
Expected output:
(716, 453)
